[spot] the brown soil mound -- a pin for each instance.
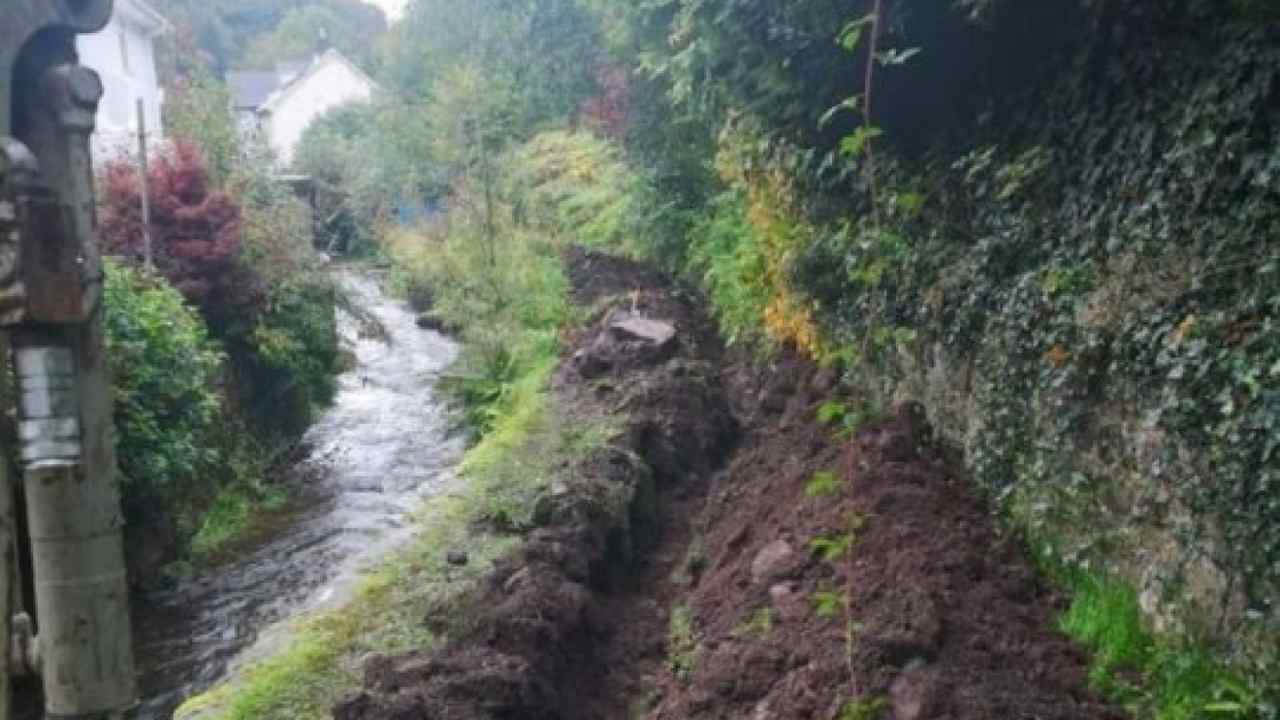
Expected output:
(945, 618)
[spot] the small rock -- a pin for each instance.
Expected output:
(457, 558)
(913, 694)
(772, 561)
(790, 605)
(631, 328)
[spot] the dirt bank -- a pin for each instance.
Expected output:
(676, 573)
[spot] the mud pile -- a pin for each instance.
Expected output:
(945, 618)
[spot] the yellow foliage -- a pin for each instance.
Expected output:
(789, 318)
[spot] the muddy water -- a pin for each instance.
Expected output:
(375, 455)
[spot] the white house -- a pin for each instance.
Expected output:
(281, 103)
(123, 54)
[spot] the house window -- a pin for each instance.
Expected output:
(124, 52)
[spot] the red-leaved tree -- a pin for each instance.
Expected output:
(195, 232)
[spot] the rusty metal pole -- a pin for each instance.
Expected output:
(50, 301)
(144, 183)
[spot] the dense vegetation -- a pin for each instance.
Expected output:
(219, 354)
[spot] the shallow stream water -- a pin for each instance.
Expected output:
(375, 455)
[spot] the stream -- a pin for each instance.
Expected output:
(373, 457)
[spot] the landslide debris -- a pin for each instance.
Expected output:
(945, 616)
(665, 584)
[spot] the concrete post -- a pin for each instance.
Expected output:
(50, 302)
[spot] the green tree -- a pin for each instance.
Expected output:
(200, 112)
(309, 30)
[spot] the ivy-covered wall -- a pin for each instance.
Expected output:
(1089, 303)
(1065, 240)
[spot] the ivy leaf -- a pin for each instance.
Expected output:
(1275, 370)
(855, 144)
(851, 36)
(910, 203)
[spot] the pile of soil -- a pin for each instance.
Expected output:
(944, 618)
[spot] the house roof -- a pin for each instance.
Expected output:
(261, 90)
(251, 88)
(329, 56)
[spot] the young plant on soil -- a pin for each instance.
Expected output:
(682, 644)
(823, 484)
(833, 550)
(758, 625)
(847, 419)
(867, 709)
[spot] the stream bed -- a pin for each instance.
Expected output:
(371, 459)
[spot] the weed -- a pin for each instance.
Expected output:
(823, 484)
(832, 549)
(682, 644)
(758, 625)
(848, 419)
(827, 603)
(865, 709)
(831, 412)
(1155, 677)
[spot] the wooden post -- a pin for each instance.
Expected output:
(145, 181)
(53, 290)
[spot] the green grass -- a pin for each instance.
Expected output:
(1151, 676)
(226, 521)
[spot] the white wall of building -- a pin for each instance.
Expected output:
(123, 54)
(332, 82)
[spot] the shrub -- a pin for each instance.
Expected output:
(180, 450)
(195, 230)
(165, 371)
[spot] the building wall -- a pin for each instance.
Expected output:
(331, 85)
(123, 54)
